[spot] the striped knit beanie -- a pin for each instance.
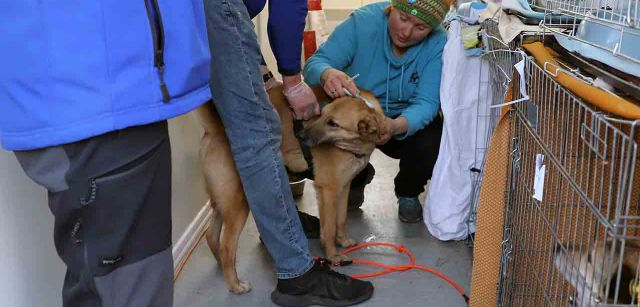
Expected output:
(430, 11)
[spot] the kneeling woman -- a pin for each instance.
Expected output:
(395, 49)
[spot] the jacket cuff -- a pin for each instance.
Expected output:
(312, 74)
(288, 72)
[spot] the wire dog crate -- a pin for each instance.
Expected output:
(612, 26)
(577, 242)
(620, 12)
(500, 58)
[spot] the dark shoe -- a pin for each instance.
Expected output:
(356, 191)
(409, 209)
(310, 225)
(321, 286)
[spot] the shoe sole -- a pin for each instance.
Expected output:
(286, 300)
(404, 220)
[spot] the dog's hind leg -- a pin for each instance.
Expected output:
(235, 219)
(226, 196)
(214, 230)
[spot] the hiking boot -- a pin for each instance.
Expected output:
(409, 209)
(321, 286)
(356, 191)
(310, 225)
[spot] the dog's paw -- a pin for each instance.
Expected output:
(242, 288)
(295, 161)
(346, 242)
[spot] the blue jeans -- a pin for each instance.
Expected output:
(253, 129)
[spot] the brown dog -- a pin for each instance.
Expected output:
(346, 122)
(589, 271)
(342, 140)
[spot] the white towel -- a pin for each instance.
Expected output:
(463, 92)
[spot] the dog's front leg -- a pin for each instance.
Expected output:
(341, 220)
(327, 199)
(289, 146)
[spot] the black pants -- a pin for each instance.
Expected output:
(417, 154)
(111, 199)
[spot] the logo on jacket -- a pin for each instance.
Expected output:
(414, 78)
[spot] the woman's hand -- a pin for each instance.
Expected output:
(391, 127)
(333, 81)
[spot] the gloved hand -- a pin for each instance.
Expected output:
(302, 100)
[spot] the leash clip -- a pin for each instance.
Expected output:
(345, 262)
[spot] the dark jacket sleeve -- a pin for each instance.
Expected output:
(254, 7)
(285, 27)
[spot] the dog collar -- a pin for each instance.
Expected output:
(359, 155)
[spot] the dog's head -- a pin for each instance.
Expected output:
(348, 122)
(589, 271)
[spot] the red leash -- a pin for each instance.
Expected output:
(389, 268)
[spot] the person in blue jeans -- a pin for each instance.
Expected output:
(396, 49)
(303, 105)
(253, 129)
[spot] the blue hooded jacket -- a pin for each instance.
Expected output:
(70, 70)
(407, 86)
(285, 26)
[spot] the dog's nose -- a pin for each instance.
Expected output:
(304, 139)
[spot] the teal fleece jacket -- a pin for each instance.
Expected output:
(407, 86)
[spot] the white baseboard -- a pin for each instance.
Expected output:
(190, 238)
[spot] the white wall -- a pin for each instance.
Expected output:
(31, 273)
(188, 191)
(335, 10)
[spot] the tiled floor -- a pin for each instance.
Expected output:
(201, 282)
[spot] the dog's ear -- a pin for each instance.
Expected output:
(369, 126)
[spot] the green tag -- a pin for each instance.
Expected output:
(414, 12)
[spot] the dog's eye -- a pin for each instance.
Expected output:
(588, 257)
(332, 123)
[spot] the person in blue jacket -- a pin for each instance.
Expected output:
(253, 129)
(395, 49)
(87, 87)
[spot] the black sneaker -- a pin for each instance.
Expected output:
(310, 225)
(321, 286)
(356, 191)
(409, 209)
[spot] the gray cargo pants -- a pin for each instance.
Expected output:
(111, 198)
